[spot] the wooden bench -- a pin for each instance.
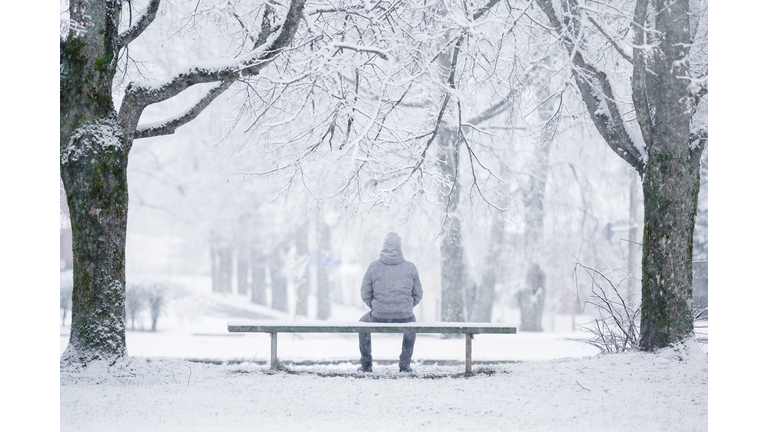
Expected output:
(275, 327)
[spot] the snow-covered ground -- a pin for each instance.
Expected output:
(192, 375)
(664, 391)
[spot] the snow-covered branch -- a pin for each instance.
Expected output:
(359, 48)
(137, 29)
(596, 91)
(639, 95)
(140, 95)
(169, 126)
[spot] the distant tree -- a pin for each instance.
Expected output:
(135, 303)
(156, 300)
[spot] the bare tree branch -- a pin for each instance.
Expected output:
(137, 29)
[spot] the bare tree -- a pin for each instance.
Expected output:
(96, 139)
(662, 46)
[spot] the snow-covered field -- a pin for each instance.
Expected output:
(194, 376)
(665, 391)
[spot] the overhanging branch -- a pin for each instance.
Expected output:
(639, 84)
(169, 126)
(139, 96)
(596, 92)
(144, 21)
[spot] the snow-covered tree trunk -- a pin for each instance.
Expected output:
(258, 278)
(243, 264)
(225, 268)
(452, 269)
(279, 282)
(531, 298)
(302, 276)
(323, 281)
(483, 307)
(451, 249)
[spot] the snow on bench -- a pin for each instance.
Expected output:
(275, 327)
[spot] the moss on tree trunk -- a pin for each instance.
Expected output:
(670, 186)
(97, 194)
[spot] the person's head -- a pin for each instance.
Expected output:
(392, 241)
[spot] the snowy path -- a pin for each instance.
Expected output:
(665, 391)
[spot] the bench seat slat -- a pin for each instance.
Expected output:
(360, 327)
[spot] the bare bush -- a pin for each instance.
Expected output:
(143, 298)
(617, 328)
(135, 303)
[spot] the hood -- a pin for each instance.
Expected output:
(391, 255)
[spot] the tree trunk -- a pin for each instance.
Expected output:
(451, 248)
(302, 276)
(279, 282)
(258, 279)
(225, 269)
(323, 282)
(242, 269)
(633, 299)
(670, 187)
(532, 297)
(214, 269)
(483, 307)
(94, 158)
(97, 195)
(452, 273)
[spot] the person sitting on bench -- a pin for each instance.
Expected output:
(391, 288)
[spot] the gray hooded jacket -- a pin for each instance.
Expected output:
(391, 285)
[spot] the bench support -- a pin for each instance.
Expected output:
(273, 357)
(468, 361)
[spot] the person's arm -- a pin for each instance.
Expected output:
(366, 290)
(417, 293)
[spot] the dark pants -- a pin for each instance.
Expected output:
(409, 340)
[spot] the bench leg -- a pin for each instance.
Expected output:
(469, 354)
(273, 358)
